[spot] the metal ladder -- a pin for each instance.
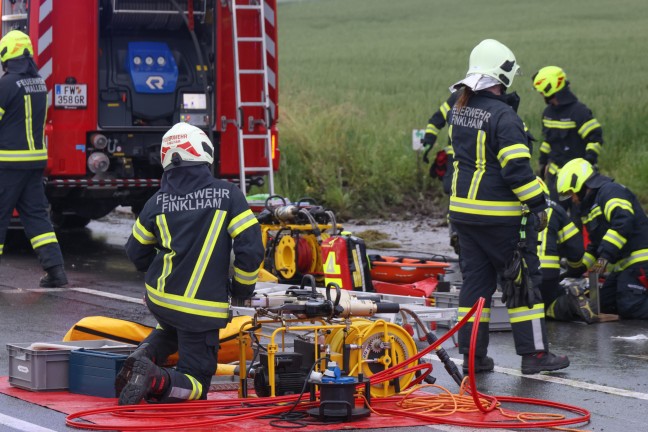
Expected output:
(244, 135)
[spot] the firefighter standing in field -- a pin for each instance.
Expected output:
(182, 239)
(23, 155)
(569, 128)
(492, 179)
(618, 232)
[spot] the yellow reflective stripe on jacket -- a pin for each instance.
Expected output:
(43, 239)
(545, 147)
(449, 150)
(594, 213)
(245, 278)
(444, 110)
(2, 112)
(549, 261)
(205, 308)
(575, 264)
(29, 126)
(553, 168)
(241, 222)
(487, 208)
(165, 240)
(588, 127)
(463, 311)
(143, 235)
(594, 146)
(1, 249)
(480, 164)
(558, 124)
(514, 151)
(542, 236)
(567, 232)
(22, 155)
(635, 257)
(431, 129)
(528, 191)
(614, 203)
(205, 254)
(523, 313)
(613, 236)
(588, 260)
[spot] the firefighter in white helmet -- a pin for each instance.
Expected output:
(23, 154)
(182, 239)
(493, 179)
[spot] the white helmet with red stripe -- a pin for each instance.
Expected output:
(185, 145)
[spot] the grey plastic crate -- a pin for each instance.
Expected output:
(40, 370)
(499, 319)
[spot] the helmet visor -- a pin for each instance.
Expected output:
(563, 196)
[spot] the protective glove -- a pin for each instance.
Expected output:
(240, 302)
(540, 221)
(428, 142)
(439, 166)
(599, 267)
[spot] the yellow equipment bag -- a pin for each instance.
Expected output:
(101, 327)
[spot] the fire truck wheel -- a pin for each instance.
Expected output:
(67, 221)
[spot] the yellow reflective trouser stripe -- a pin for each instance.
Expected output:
(196, 388)
(553, 168)
(143, 235)
(480, 164)
(545, 147)
(523, 313)
(1, 249)
(444, 110)
(614, 203)
(241, 222)
(43, 239)
(594, 146)
(23, 155)
(567, 232)
(594, 212)
(588, 127)
(2, 112)
(29, 126)
(549, 261)
(613, 236)
(246, 278)
(205, 308)
(575, 264)
(588, 260)
(487, 208)
(165, 241)
(635, 257)
(528, 191)
(558, 124)
(431, 129)
(205, 253)
(514, 151)
(485, 315)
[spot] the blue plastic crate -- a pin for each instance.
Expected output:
(93, 373)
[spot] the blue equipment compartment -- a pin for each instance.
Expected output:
(152, 67)
(93, 373)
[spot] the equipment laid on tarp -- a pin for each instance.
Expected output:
(400, 269)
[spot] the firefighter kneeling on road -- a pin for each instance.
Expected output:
(618, 233)
(23, 155)
(493, 177)
(182, 239)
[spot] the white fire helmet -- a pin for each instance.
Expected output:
(185, 145)
(493, 59)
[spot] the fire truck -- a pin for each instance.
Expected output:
(120, 73)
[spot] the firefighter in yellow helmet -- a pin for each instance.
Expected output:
(492, 180)
(23, 155)
(569, 128)
(618, 232)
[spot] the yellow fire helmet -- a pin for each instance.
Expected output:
(15, 44)
(572, 176)
(549, 80)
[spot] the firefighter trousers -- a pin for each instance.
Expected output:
(485, 250)
(23, 190)
(197, 360)
(623, 293)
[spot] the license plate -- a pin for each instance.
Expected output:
(70, 95)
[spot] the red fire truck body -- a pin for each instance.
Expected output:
(122, 72)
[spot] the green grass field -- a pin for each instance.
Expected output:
(356, 76)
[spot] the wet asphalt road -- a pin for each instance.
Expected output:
(608, 374)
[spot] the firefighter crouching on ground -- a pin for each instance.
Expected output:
(618, 233)
(562, 239)
(492, 178)
(23, 155)
(569, 129)
(182, 239)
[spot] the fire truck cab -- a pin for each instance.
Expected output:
(120, 73)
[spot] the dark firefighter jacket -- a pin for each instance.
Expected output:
(439, 118)
(570, 131)
(561, 239)
(617, 226)
(183, 240)
(493, 176)
(23, 107)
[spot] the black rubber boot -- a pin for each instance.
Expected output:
(482, 364)
(146, 381)
(125, 373)
(543, 361)
(55, 277)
